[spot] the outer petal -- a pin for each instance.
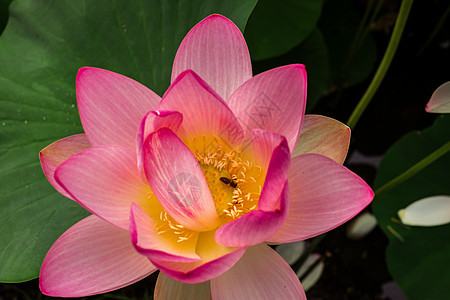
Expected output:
(216, 50)
(178, 182)
(254, 227)
(260, 274)
(323, 195)
(152, 121)
(148, 242)
(56, 153)
(105, 180)
(92, 257)
(323, 135)
(166, 288)
(440, 100)
(204, 112)
(274, 100)
(111, 106)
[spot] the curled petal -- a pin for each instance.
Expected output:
(178, 182)
(274, 100)
(260, 274)
(323, 195)
(323, 135)
(272, 153)
(92, 257)
(152, 121)
(111, 106)
(105, 180)
(429, 211)
(216, 50)
(254, 227)
(204, 112)
(58, 152)
(167, 288)
(440, 100)
(147, 241)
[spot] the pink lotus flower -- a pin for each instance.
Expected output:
(195, 183)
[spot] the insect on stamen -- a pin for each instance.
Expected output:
(229, 181)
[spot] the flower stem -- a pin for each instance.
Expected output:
(414, 169)
(384, 65)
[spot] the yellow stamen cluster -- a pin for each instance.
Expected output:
(246, 175)
(235, 185)
(169, 225)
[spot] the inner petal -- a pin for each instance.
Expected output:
(178, 182)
